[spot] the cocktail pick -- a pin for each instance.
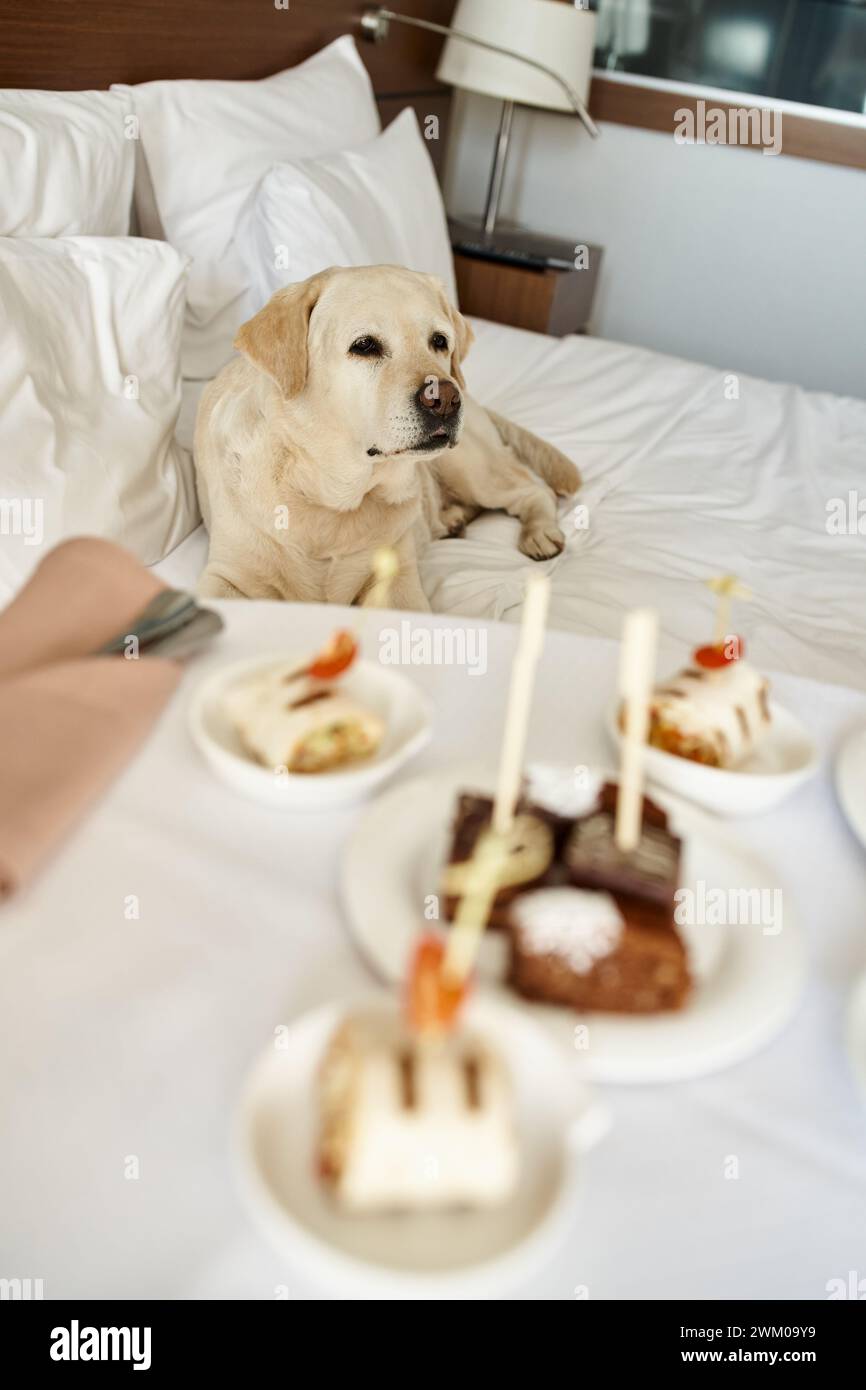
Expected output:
(726, 587)
(492, 848)
(386, 563)
(637, 664)
(523, 670)
(343, 647)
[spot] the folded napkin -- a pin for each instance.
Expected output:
(70, 720)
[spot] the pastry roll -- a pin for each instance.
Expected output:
(301, 724)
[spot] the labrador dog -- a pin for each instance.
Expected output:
(344, 426)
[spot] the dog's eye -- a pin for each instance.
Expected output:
(439, 343)
(366, 347)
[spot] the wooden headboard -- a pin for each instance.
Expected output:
(71, 44)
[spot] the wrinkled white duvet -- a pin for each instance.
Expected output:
(689, 472)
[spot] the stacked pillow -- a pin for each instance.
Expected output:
(377, 205)
(89, 394)
(208, 144)
(90, 335)
(239, 188)
(66, 163)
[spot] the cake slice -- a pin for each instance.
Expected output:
(413, 1124)
(714, 712)
(606, 939)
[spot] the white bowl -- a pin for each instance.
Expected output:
(458, 1254)
(785, 758)
(408, 720)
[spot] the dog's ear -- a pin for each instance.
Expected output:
(463, 340)
(275, 339)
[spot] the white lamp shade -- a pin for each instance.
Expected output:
(552, 32)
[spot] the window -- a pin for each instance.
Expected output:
(811, 51)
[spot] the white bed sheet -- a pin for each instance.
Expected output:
(683, 479)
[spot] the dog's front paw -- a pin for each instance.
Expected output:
(541, 540)
(456, 517)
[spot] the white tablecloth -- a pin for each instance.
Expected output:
(128, 1037)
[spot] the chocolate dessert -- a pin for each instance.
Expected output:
(605, 939)
(531, 861)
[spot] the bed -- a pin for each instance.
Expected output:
(681, 481)
(688, 471)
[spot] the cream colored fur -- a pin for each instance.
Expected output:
(310, 457)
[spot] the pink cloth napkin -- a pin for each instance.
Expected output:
(69, 720)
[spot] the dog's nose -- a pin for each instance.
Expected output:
(440, 397)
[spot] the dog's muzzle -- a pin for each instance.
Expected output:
(441, 407)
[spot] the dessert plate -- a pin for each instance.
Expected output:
(457, 1254)
(408, 720)
(748, 975)
(851, 782)
(785, 758)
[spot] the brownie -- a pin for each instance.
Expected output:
(594, 930)
(474, 815)
(607, 940)
(650, 872)
(641, 967)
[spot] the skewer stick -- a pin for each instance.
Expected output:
(520, 701)
(385, 567)
(492, 848)
(726, 587)
(637, 663)
(474, 907)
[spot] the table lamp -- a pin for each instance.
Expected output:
(532, 52)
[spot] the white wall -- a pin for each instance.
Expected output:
(746, 261)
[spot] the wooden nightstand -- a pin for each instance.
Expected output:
(525, 280)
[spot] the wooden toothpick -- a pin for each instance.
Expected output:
(637, 664)
(726, 587)
(520, 700)
(384, 568)
(492, 848)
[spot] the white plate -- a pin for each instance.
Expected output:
(785, 758)
(406, 711)
(851, 782)
(446, 1255)
(856, 1033)
(748, 981)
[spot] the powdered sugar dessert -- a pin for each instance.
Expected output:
(564, 792)
(577, 926)
(602, 937)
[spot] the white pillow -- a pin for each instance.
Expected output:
(89, 394)
(378, 205)
(207, 145)
(67, 162)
